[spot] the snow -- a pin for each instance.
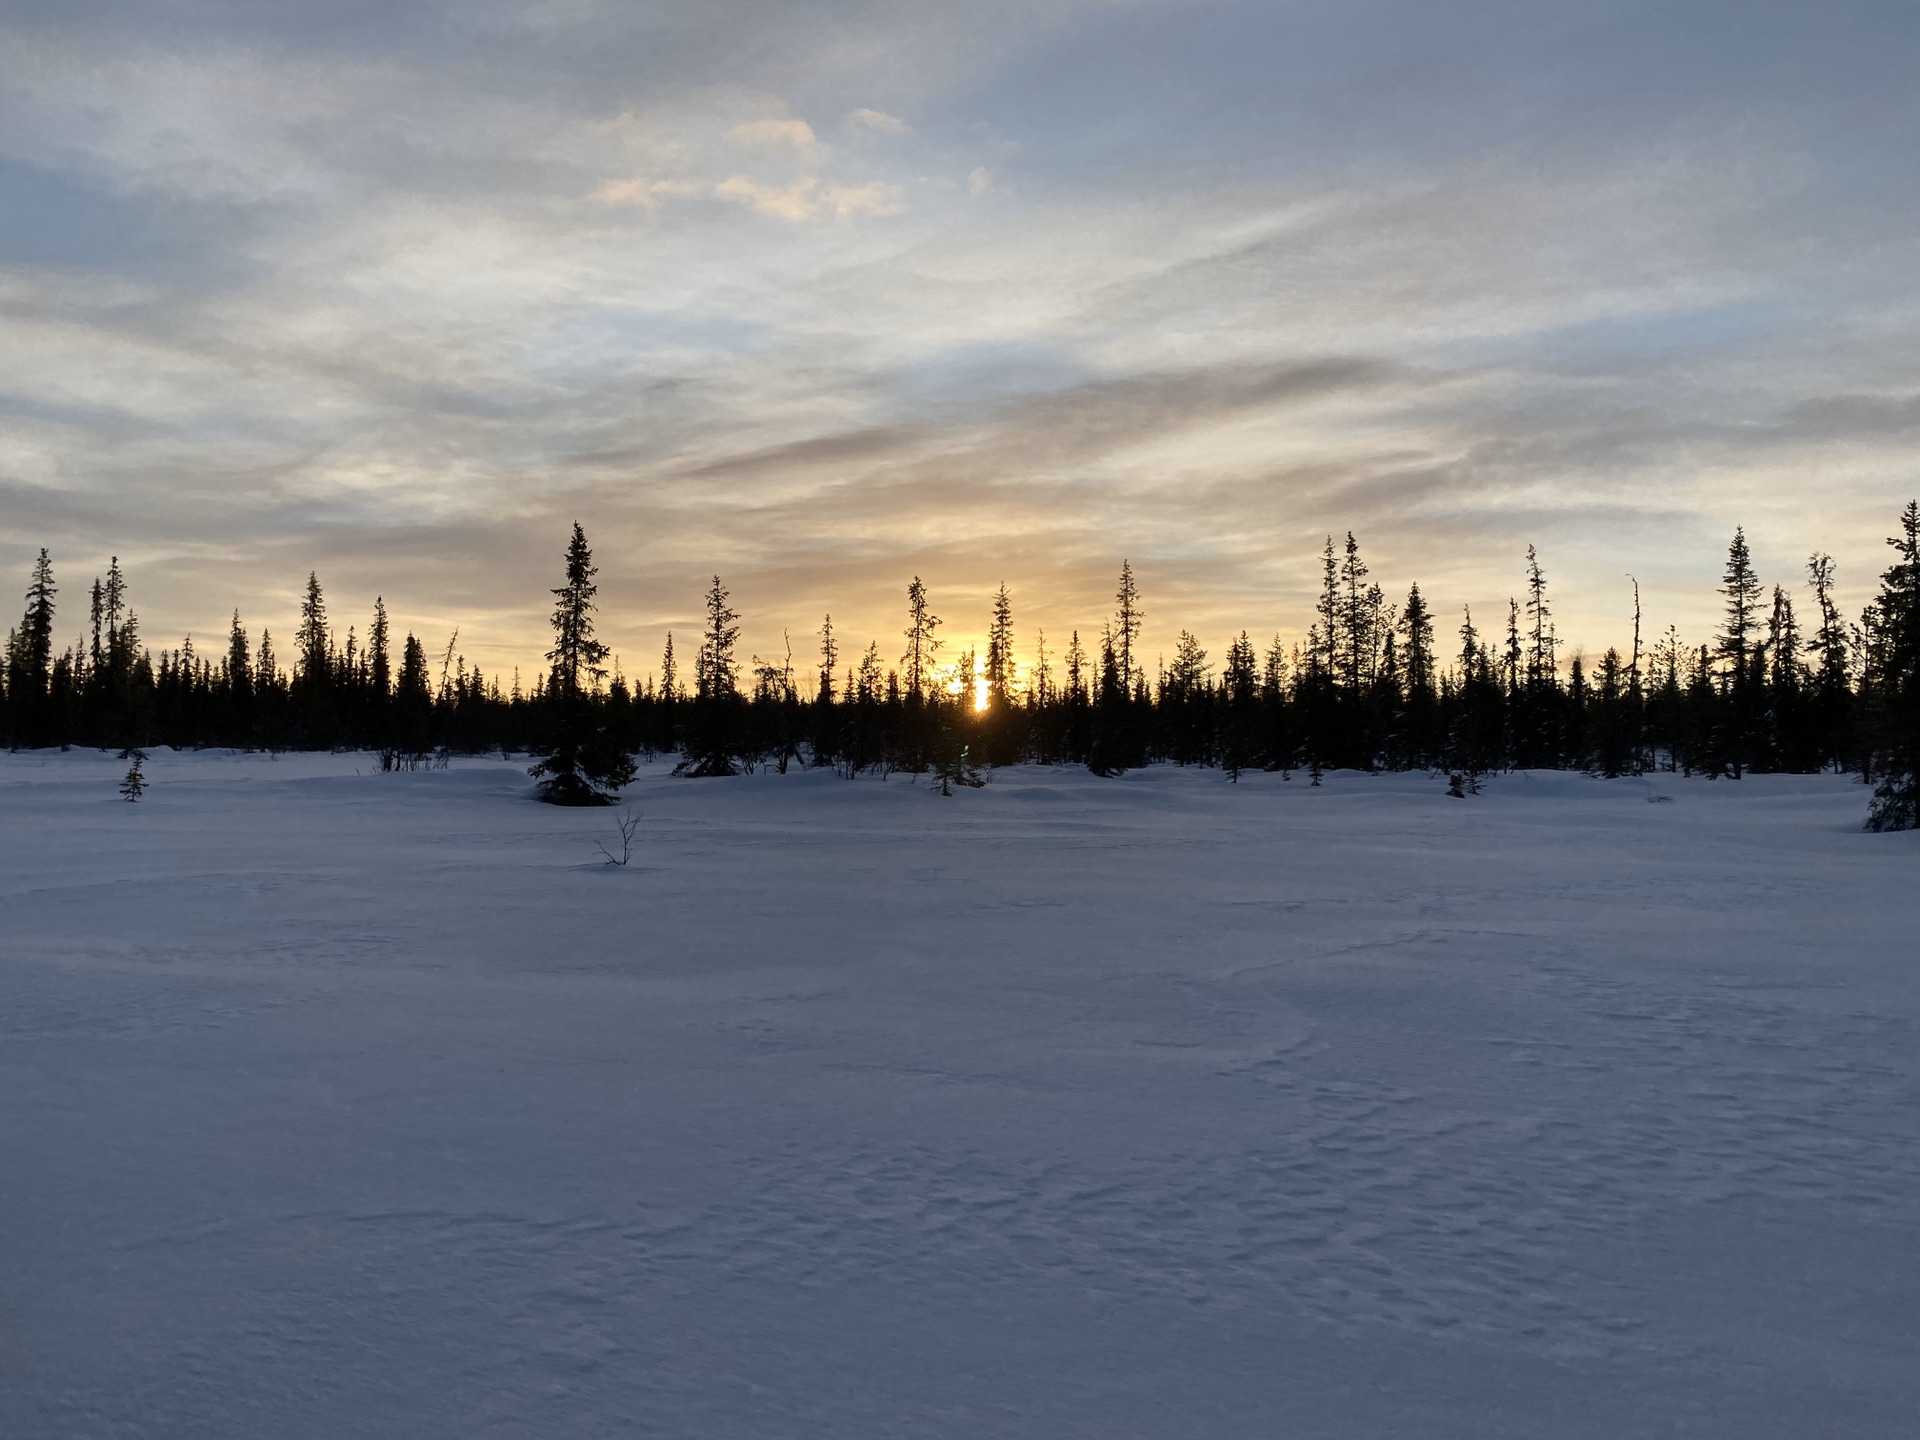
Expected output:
(342, 1104)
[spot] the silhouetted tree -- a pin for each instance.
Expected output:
(713, 730)
(583, 765)
(1893, 685)
(30, 660)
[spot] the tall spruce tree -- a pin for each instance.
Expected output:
(1893, 685)
(1126, 628)
(1418, 672)
(1359, 613)
(577, 659)
(1542, 642)
(917, 663)
(1833, 700)
(713, 732)
(379, 663)
(1326, 653)
(1739, 710)
(1000, 662)
(30, 660)
(1240, 705)
(829, 662)
(313, 642)
(824, 741)
(584, 765)
(1003, 734)
(1788, 744)
(1107, 742)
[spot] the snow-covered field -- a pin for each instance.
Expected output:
(338, 1104)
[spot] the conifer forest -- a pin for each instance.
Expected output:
(1378, 682)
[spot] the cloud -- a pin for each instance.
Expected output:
(872, 199)
(795, 202)
(875, 122)
(795, 133)
(646, 193)
(806, 198)
(980, 181)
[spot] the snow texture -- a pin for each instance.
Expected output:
(343, 1104)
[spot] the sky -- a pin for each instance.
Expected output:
(822, 296)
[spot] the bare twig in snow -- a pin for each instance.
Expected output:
(628, 824)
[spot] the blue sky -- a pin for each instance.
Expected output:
(824, 296)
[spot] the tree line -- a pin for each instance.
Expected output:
(1373, 685)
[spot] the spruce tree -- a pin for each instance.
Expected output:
(1076, 726)
(825, 740)
(1832, 679)
(30, 659)
(412, 723)
(577, 658)
(1608, 748)
(97, 651)
(379, 670)
(584, 764)
(829, 660)
(1893, 685)
(954, 761)
(114, 603)
(1041, 690)
(134, 785)
(1126, 628)
(239, 663)
(1326, 654)
(1239, 703)
(713, 737)
(1357, 621)
(1474, 738)
(918, 729)
(1418, 672)
(1000, 662)
(1004, 726)
(1542, 666)
(312, 689)
(313, 642)
(918, 661)
(1106, 742)
(1741, 587)
(1788, 745)
(238, 674)
(1510, 661)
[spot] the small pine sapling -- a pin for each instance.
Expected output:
(135, 783)
(956, 767)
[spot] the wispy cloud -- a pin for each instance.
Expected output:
(637, 191)
(874, 198)
(799, 200)
(808, 199)
(797, 134)
(874, 122)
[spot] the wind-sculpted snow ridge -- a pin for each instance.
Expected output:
(348, 1104)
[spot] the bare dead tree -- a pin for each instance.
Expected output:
(628, 824)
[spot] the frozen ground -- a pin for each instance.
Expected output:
(337, 1105)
